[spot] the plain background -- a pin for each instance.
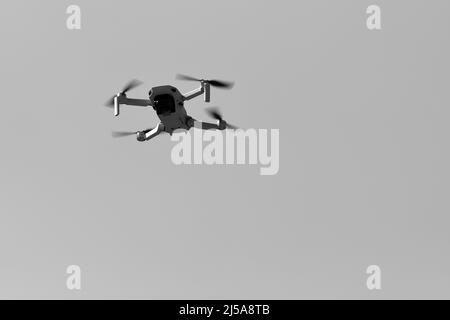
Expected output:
(364, 153)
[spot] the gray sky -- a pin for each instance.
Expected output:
(363, 119)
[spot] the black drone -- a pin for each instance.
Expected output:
(168, 103)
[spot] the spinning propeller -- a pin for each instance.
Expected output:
(121, 134)
(213, 83)
(130, 85)
(215, 113)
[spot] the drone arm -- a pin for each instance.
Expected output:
(123, 99)
(195, 93)
(154, 132)
(206, 125)
(134, 102)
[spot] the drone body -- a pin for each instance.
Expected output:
(168, 103)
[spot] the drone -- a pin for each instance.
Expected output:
(168, 103)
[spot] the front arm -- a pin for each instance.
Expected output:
(123, 99)
(204, 89)
(133, 102)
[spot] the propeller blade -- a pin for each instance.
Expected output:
(121, 134)
(214, 83)
(221, 84)
(131, 85)
(185, 77)
(214, 113)
(110, 102)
